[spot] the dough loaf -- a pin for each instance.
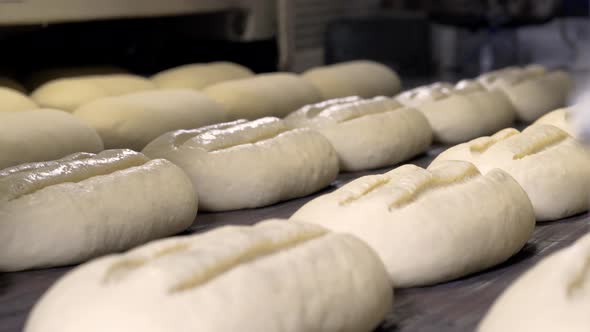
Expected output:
(43, 76)
(532, 90)
(41, 135)
(245, 164)
(355, 78)
(275, 276)
(133, 120)
(275, 94)
(70, 93)
(65, 212)
(200, 75)
(559, 118)
(7, 82)
(462, 112)
(552, 296)
(430, 226)
(366, 133)
(551, 166)
(14, 101)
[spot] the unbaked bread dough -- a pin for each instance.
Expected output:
(275, 94)
(532, 90)
(200, 75)
(366, 133)
(133, 120)
(275, 276)
(551, 166)
(559, 118)
(70, 93)
(43, 76)
(461, 112)
(552, 296)
(430, 226)
(354, 78)
(14, 101)
(41, 135)
(7, 82)
(243, 164)
(66, 212)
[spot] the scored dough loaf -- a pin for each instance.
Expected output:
(532, 90)
(275, 276)
(243, 164)
(461, 112)
(70, 93)
(354, 78)
(275, 94)
(552, 296)
(40, 135)
(65, 212)
(7, 82)
(366, 133)
(43, 76)
(430, 226)
(551, 166)
(13, 101)
(559, 118)
(132, 121)
(200, 75)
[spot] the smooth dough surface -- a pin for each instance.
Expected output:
(200, 75)
(7, 82)
(552, 296)
(65, 212)
(275, 94)
(461, 112)
(366, 133)
(70, 93)
(132, 121)
(41, 135)
(559, 118)
(354, 78)
(275, 276)
(430, 226)
(244, 164)
(551, 166)
(532, 90)
(14, 101)
(43, 76)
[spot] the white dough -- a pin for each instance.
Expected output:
(43, 76)
(40, 135)
(275, 276)
(275, 94)
(559, 118)
(532, 90)
(132, 121)
(245, 164)
(70, 93)
(200, 75)
(366, 133)
(354, 78)
(65, 212)
(14, 101)
(430, 226)
(462, 112)
(552, 296)
(551, 166)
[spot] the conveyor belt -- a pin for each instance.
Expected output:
(454, 306)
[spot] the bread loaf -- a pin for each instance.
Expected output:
(65, 212)
(41, 135)
(200, 75)
(70, 93)
(133, 120)
(275, 94)
(243, 164)
(366, 133)
(430, 226)
(355, 78)
(552, 296)
(14, 101)
(551, 166)
(276, 276)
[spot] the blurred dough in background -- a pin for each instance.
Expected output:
(7, 82)
(14, 101)
(43, 76)
(200, 75)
